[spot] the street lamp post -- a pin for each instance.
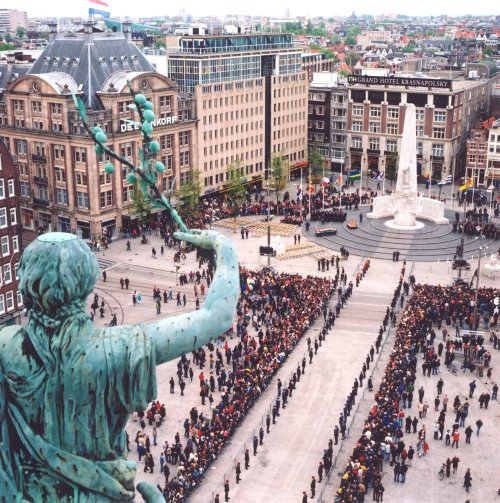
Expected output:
(474, 314)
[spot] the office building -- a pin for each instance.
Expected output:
(11, 19)
(251, 101)
(63, 184)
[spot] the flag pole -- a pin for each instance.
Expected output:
(309, 191)
(323, 184)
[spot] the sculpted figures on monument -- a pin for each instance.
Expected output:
(67, 387)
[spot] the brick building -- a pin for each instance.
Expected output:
(327, 118)
(445, 112)
(11, 301)
(492, 174)
(477, 153)
(63, 185)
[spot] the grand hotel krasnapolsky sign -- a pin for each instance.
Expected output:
(399, 81)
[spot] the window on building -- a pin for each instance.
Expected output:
(18, 105)
(3, 218)
(439, 116)
(375, 111)
(13, 216)
(357, 142)
(392, 128)
(184, 138)
(374, 127)
(165, 101)
(393, 113)
(391, 145)
(438, 133)
(419, 131)
(36, 107)
(81, 178)
(357, 125)
(2, 188)
(357, 110)
(374, 144)
(25, 189)
(82, 200)
(21, 147)
(106, 198)
(58, 151)
(62, 197)
(11, 184)
(15, 244)
(7, 273)
(5, 246)
(2, 304)
(80, 154)
(438, 149)
(184, 159)
(56, 108)
(9, 300)
(60, 174)
(20, 301)
(320, 110)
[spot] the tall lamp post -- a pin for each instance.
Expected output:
(481, 248)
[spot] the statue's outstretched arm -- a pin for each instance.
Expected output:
(181, 334)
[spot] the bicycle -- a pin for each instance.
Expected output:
(441, 473)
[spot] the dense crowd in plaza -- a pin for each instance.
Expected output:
(382, 438)
(274, 311)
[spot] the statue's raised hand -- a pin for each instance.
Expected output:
(211, 240)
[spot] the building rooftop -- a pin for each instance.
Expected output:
(90, 58)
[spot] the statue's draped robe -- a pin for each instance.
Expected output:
(64, 403)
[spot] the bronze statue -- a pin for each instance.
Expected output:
(67, 387)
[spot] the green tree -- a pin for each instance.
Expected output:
(317, 163)
(190, 192)
(351, 58)
(141, 206)
(6, 47)
(20, 32)
(280, 173)
(488, 52)
(8, 37)
(236, 190)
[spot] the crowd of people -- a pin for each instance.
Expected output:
(274, 311)
(383, 432)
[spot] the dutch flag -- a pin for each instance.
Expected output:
(98, 7)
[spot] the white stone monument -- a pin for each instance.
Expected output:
(406, 205)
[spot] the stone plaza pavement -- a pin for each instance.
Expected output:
(289, 457)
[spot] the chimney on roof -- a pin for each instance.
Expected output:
(127, 29)
(52, 30)
(88, 27)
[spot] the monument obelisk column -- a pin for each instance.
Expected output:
(405, 199)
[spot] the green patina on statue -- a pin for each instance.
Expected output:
(67, 387)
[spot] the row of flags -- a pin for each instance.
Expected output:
(445, 181)
(467, 185)
(99, 8)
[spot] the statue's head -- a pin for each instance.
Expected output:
(57, 270)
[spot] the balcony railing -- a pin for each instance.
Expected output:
(40, 202)
(41, 180)
(39, 158)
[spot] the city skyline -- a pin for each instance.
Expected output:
(197, 8)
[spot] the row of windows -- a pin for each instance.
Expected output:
(391, 145)
(393, 113)
(7, 302)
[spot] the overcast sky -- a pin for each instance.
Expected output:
(134, 8)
